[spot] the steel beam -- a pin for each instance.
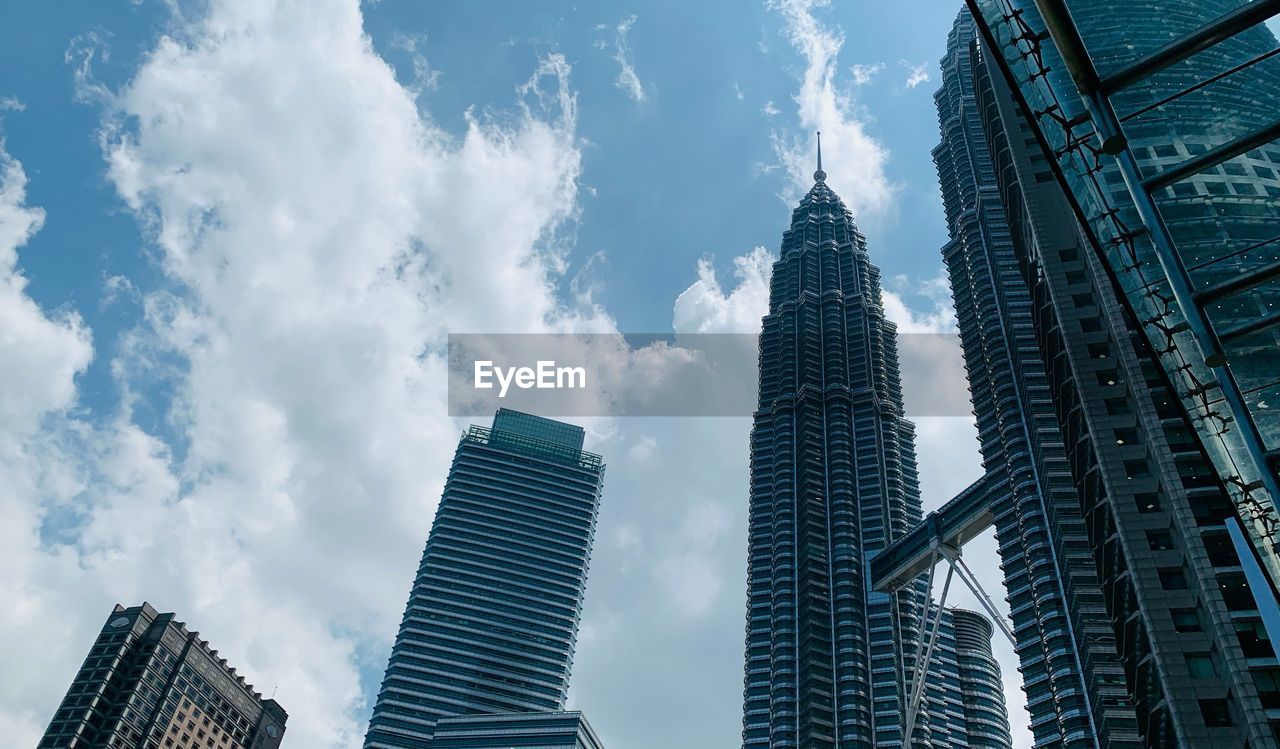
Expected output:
(1256, 326)
(1233, 286)
(1221, 28)
(1213, 157)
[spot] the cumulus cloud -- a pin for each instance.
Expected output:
(853, 159)
(705, 307)
(916, 74)
(43, 352)
(768, 110)
(627, 79)
(939, 317)
(317, 236)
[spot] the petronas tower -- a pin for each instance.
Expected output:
(833, 482)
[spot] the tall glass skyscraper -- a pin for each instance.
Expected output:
(833, 481)
(493, 615)
(1071, 673)
(1161, 121)
(1167, 647)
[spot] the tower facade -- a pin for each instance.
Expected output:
(1071, 673)
(1170, 647)
(493, 614)
(986, 719)
(833, 481)
(150, 683)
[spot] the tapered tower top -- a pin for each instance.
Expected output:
(819, 176)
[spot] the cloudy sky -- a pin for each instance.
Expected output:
(235, 233)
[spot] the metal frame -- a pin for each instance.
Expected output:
(1095, 93)
(920, 669)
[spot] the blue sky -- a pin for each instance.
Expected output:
(233, 234)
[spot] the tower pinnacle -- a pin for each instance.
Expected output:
(819, 176)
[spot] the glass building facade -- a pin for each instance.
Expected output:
(1169, 644)
(1168, 153)
(493, 614)
(150, 683)
(833, 482)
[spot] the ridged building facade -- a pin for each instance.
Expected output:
(493, 615)
(833, 481)
(1071, 673)
(1172, 653)
(151, 683)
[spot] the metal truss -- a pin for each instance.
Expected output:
(929, 634)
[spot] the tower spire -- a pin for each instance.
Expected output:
(819, 176)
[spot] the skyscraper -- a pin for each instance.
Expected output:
(1160, 121)
(1070, 668)
(493, 614)
(150, 683)
(833, 482)
(1168, 644)
(986, 719)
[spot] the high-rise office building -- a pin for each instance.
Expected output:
(150, 683)
(1071, 672)
(1167, 643)
(986, 719)
(493, 614)
(833, 482)
(1160, 121)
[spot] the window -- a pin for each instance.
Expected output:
(1147, 501)
(1200, 665)
(1185, 620)
(1136, 469)
(1108, 377)
(1160, 540)
(1126, 436)
(1217, 714)
(1236, 593)
(1268, 683)
(1253, 639)
(1173, 578)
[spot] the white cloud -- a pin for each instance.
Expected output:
(705, 307)
(916, 74)
(10, 103)
(317, 236)
(853, 159)
(863, 74)
(43, 353)
(941, 318)
(627, 79)
(738, 92)
(690, 572)
(768, 110)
